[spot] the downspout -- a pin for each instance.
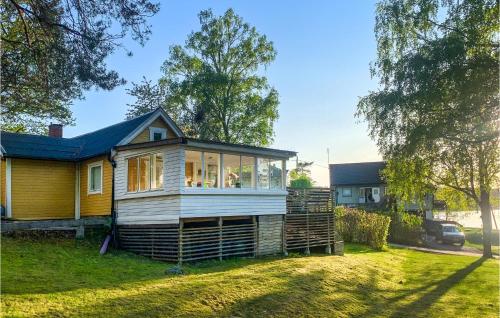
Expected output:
(111, 237)
(113, 209)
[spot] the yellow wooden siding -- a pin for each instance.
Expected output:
(42, 189)
(144, 135)
(3, 183)
(99, 203)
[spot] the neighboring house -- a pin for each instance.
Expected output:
(358, 183)
(361, 184)
(145, 169)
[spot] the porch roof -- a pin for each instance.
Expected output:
(213, 145)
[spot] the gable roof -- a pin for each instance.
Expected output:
(89, 145)
(359, 173)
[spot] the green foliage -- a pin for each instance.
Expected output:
(54, 50)
(406, 228)
(358, 226)
(435, 116)
(301, 181)
(300, 177)
(455, 200)
(211, 85)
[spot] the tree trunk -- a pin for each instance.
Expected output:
(486, 217)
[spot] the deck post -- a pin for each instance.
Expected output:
(220, 238)
(181, 226)
(308, 251)
(283, 234)
(328, 249)
(255, 236)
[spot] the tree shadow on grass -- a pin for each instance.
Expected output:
(441, 287)
(389, 306)
(211, 296)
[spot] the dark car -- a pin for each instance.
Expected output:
(450, 233)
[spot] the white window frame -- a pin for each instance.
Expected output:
(350, 192)
(89, 175)
(136, 157)
(153, 130)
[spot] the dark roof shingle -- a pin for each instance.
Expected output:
(84, 146)
(359, 173)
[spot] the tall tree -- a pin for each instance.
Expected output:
(212, 84)
(53, 50)
(435, 117)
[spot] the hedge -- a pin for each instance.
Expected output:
(406, 228)
(362, 227)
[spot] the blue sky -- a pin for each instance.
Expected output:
(322, 68)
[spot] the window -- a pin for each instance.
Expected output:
(157, 177)
(132, 175)
(192, 176)
(156, 133)
(247, 172)
(145, 173)
(95, 178)
(346, 192)
(232, 178)
(276, 174)
(212, 169)
(262, 173)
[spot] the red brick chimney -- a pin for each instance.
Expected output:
(56, 130)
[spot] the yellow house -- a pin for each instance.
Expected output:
(161, 188)
(51, 177)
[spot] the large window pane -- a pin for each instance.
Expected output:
(95, 179)
(262, 173)
(276, 174)
(232, 171)
(212, 170)
(192, 175)
(157, 170)
(144, 169)
(247, 172)
(132, 175)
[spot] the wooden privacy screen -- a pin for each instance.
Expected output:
(192, 240)
(309, 221)
(311, 200)
(226, 238)
(303, 231)
(155, 241)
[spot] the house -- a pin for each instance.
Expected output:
(358, 183)
(361, 184)
(149, 174)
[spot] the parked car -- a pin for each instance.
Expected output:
(450, 233)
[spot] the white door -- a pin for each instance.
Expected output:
(376, 194)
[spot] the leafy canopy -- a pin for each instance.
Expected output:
(54, 50)
(211, 85)
(435, 117)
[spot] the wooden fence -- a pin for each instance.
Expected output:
(155, 241)
(310, 220)
(228, 238)
(192, 240)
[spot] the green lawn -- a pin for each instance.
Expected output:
(61, 278)
(474, 238)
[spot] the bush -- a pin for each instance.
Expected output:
(406, 228)
(362, 227)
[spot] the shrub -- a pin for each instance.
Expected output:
(362, 227)
(406, 228)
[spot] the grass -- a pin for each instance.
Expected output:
(474, 238)
(61, 278)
